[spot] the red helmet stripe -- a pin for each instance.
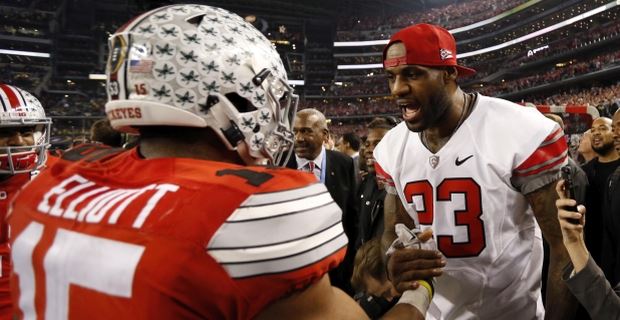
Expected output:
(10, 94)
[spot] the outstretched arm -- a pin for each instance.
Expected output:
(560, 303)
(318, 301)
(322, 301)
(585, 279)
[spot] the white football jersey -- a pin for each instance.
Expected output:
(471, 193)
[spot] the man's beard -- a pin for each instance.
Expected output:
(605, 149)
(438, 103)
(434, 111)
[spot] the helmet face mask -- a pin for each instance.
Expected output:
(22, 112)
(200, 66)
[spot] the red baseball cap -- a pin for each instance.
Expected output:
(426, 45)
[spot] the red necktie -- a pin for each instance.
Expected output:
(311, 166)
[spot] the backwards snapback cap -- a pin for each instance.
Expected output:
(426, 45)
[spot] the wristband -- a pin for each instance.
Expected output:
(428, 286)
(418, 298)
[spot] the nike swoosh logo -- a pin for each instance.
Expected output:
(458, 162)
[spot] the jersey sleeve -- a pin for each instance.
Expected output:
(383, 165)
(542, 166)
(277, 242)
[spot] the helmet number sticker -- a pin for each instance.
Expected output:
(140, 89)
(113, 89)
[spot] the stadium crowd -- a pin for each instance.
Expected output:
(573, 69)
(452, 15)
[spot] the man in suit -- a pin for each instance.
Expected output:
(336, 171)
(350, 144)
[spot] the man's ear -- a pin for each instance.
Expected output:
(451, 73)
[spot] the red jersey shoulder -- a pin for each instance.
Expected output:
(52, 159)
(245, 179)
(265, 179)
(90, 153)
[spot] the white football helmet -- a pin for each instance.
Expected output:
(22, 110)
(201, 66)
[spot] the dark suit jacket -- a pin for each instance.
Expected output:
(340, 182)
(370, 215)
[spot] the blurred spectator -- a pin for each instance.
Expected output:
(371, 193)
(585, 150)
(349, 144)
(599, 170)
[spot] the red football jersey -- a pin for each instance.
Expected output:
(8, 189)
(109, 235)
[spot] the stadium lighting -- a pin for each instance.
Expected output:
(296, 82)
(360, 66)
(361, 43)
(100, 76)
(541, 31)
(96, 76)
(25, 53)
(484, 50)
(497, 17)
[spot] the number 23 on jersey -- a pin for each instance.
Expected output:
(469, 217)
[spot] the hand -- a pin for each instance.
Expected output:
(572, 233)
(406, 265)
(363, 174)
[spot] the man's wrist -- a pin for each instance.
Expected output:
(419, 298)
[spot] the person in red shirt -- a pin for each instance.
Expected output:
(191, 223)
(24, 136)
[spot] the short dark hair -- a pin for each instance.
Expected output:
(383, 123)
(101, 131)
(353, 140)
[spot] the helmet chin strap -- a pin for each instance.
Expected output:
(244, 154)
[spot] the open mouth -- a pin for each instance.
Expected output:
(301, 148)
(409, 110)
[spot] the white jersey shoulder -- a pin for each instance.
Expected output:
(506, 131)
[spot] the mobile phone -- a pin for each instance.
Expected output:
(569, 189)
